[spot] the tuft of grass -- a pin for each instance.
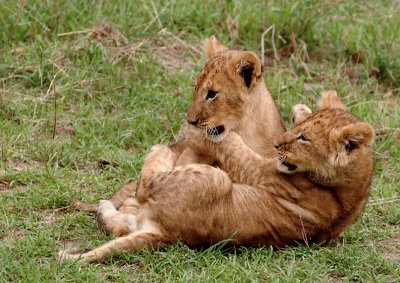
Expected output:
(120, 74)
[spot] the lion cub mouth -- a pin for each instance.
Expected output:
(216, 131)
(290, 167)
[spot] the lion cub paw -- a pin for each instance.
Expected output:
(106, 205)
(68, 254)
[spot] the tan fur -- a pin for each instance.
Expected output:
(213, 46)
(243, 104)
(248, 109)
(252, 203)
(330, 100)
(300, 112)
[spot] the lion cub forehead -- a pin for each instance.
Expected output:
(326, 120)
(212, 75)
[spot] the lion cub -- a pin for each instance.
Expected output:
(311, 193)
(230, 94)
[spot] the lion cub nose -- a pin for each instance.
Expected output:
(277, 145)
(193, 122)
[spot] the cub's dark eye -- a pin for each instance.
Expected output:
(302, 137)
(211, 94)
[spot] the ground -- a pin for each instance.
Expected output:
(87, 87)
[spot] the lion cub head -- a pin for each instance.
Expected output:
(327, 143)
(223, 89)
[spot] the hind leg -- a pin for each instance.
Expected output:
(122, 199)
(118, 222)
(127, 191)
(132, 242)
(123, 221)
(118, 199)
(119, 219)
(115, 222)
(160, 159)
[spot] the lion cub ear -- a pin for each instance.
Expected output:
(299, 113)
(212, 46)
(330, 100)
(248, 66)
(358, 134)
(350, 138)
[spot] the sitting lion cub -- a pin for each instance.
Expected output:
(229, 95)
(311, 193)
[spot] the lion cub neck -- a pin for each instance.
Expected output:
(261, 121)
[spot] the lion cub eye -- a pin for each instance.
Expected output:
(211, 94)
(303, 138)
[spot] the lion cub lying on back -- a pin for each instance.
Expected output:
(316, 188)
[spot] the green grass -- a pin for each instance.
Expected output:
(117, 93)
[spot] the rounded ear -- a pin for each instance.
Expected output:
(299, 113)
(357, 134)
(247, 65)
(330, 100)
(349, 138)
(212, 46)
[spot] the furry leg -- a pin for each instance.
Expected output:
(160, 159)
(117, 199)
(113, 221)
(132, 242)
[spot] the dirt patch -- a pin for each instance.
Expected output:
(170, 50)
(19, 166)
(118, 45)
(107, 35)
(174, 53)
(4, 185)
(391, 249)
(336, 277)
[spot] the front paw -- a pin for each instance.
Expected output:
(197, 141)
